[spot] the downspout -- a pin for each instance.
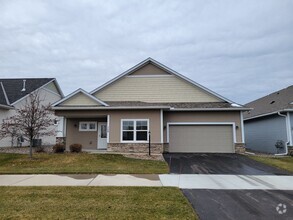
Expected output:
(287, 143)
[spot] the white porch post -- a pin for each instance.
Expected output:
(108, 129)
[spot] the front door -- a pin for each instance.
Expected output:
(102, 135)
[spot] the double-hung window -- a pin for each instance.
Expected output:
(134, 130)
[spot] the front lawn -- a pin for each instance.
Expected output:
(93, 203)
(285, 163)
(70, 163)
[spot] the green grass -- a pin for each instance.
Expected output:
(285, 163)
(77, 164)
(94, 203)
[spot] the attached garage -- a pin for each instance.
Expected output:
(200, 138)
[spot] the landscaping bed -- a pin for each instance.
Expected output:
(93, 203)
(78, 163)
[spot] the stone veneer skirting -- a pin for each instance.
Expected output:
(156, 148)
(239, 148)
(290, 150)
(61, 140)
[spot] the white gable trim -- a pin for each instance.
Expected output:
(43, 86)
(167, 69)
(83, 92)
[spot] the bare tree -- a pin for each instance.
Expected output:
(32, 120)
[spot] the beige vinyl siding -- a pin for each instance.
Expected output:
(150, 69)
(212, 116)
(152, 115)
(154, 89)
(51, 86)
(88, 139)
(115, 121)
(79, 99)
(201, 138)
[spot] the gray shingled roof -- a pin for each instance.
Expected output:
(13, 88)
(3, 100)
(274, 102)
(174, 105)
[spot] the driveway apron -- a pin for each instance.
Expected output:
(232, 186)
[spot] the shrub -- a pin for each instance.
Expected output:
(75, 148)
(39, 149)
(59, 148)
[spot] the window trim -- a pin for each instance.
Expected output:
(88, 125)
(134, 130)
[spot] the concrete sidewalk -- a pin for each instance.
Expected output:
(229, 182)
(184, 181)
(80, 180)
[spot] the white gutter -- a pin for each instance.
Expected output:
(262, 115)
(6, 107)
(209, 109)
(109, 108)
(287, 143)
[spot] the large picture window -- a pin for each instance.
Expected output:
(87, 126)
(135, 130)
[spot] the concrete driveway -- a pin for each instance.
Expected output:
(231, 201)
(218, 164)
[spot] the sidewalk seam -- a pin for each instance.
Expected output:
(23, 180)
(92, 180)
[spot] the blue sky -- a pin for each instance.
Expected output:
(240, 49)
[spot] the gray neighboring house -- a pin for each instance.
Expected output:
(270, 121)
(14, 93)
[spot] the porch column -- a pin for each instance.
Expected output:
(108, 128)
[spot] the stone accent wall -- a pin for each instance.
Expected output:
(166, 147)
(156, 148)
(239, 148)
(61, 140)
(290, 150)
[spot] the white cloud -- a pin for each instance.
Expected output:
(240, 49)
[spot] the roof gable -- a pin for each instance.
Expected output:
(80, 98)
(13, 87)
(139, 71)
(149, 69)
(274, 102)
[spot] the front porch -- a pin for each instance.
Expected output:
(121, 131)
(92, 133)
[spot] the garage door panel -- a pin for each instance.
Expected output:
(201, 138)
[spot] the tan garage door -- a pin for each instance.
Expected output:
(201, 138)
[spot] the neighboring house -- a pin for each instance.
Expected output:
(151, 102)
(269, 122)
(15, 92)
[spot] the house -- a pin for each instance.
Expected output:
(151, 103)
(268, 127)
(15, 92)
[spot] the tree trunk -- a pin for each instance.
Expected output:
(31, 148)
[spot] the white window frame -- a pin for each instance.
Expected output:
(88, 125)
(134, 131)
